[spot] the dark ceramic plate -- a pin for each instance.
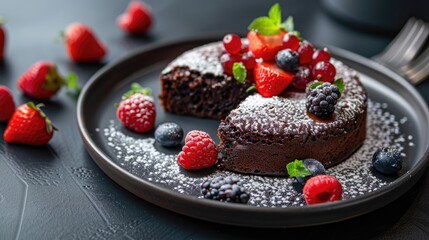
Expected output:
(95, 112)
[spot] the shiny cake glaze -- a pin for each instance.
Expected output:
(262, 134)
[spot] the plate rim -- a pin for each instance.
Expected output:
(264, 213)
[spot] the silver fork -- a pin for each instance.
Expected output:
(401, 54)
(405, 46)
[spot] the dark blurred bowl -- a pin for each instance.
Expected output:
(385, 16)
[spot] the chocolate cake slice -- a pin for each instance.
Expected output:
(195, 84)
(262, 134)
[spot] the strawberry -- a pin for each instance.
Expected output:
(29, 125)
(2, 39)
(322, 188)
(265, 47)
(7, 105)
(199, 151)
(137, 19)
(270, 80)
(82, 44)
(137, 110)
(42, 80)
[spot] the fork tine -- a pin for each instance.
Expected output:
(418, 69)
(406, 45)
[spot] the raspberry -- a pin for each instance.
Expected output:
(322, 188)
(199, 151)
(321, 101)
(137, 112)
(228, 189)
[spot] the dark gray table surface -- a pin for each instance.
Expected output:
(58, 191)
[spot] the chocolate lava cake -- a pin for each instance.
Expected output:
(260, 135)
(195, 84)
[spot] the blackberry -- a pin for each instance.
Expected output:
(321, 100)
(228, 189)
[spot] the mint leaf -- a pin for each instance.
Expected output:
(251, 88)
(297, 169)
(288, 24)
(72, 82)
(137, 88)
(264, 26)
(239, 71)
(275, 14)
(339, 84)
(315, 84)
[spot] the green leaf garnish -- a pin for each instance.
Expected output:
(275, 14)
(339, 84)
(251, 88)
(137, 88)
(272, 24)
(297, 169)
(239, 71)
(264, 26)
(72, 82)
(288, 24)
(315, 84)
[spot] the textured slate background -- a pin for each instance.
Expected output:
(57, 191)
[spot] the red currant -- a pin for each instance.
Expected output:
(290, 41)
(244, 47)
(324, 71)
(227, 60)
(232, 43)
(320, 55)
(305, 52)
(249, 60)
(302, 78)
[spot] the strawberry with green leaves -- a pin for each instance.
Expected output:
(137, 110)
(266, 34)
(30, 126)
(42, 81)
(82, 44)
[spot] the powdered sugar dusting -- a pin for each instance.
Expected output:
(140, 157)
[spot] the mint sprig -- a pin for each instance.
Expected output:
(272, 24)
(297, 169)
(137, 88)
(239, 71)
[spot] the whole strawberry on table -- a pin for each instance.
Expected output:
(42, 81)
(29, 125)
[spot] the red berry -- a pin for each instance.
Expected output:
(324, 71)
(232, 43)
(265, 47)
(244, 47)
(29, 125)
(249, 60)
(270, 80)
(137, 19)
(2, 41)
(320, 55)
(137, 112)
(82, 44)
(291, 41)
(305, 52)
(227, 60)
(302, 78)
(7, 105)
(322, 188)
(199, 151)
(41, 81)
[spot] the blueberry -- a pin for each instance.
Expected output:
(169, 134)
(315, 167)
(387, 160)
(287, 60)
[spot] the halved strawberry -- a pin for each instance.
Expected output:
(265, 47)
(270, 80)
